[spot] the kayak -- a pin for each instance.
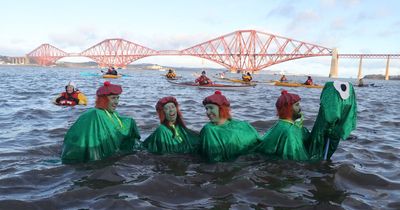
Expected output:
(289, 84)
(111, 76)
(243, 82)
(211, 86)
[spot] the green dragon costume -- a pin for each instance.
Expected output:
(336, 118)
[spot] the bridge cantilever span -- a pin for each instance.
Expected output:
(243, 50)
(117, 52)
(247, 50)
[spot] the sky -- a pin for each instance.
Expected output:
(351, 26)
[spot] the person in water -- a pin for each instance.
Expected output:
(203, 79)
(224, 138)
(171, 74)
(172, 135)
(112, 71)
(337, 117)
(100, 132)
(286, 138)
(247, 77)
(71, 97)
(283, 78)
(309, 81)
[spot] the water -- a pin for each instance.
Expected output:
(363, 174)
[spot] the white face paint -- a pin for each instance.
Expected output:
(70, 89)
(113, 101)
(170, 112)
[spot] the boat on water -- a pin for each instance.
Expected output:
(111, 76)
(244, 82)
(291, 84)
(212, 86)
(174, 78)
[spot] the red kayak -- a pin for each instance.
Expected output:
(212, 86)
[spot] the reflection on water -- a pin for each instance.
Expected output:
(363, 174)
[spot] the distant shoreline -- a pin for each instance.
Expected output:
(145, 66)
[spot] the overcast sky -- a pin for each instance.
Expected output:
(352, 26)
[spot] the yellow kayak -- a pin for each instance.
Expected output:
(110, 76)
(288, 84)
(234, 80)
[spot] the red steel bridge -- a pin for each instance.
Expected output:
(243, 50)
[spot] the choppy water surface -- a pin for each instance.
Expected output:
(363, 174)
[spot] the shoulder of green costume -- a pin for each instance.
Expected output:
(241, 122)
(162, 128)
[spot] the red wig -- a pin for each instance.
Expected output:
(284, 104)
(160, 111)
(225, 112)
(102, 102)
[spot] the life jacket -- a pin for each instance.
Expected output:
(171, 75)
(309, 82)
(203, 80)
(246, 78)
(68, 100)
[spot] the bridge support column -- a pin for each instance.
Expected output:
(387, 69)
(26, 60)
(334, 64)
(359, 76)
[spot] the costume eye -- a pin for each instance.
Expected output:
(343, 88)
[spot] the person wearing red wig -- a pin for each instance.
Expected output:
(286, 138)
(172, 136)
(224, 138)
(100, 132)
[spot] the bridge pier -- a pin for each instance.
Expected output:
(359, 76)
(387, 68)
(334, 64)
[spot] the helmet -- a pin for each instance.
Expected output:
(71, 83)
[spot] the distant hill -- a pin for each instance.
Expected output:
(381, 77)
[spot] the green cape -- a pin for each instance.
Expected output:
(98, 134)
(285, 140)
(163, 141)
(227, 141)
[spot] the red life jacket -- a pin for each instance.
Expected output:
(68, 100)
(203, 80)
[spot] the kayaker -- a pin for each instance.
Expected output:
(171, 74)
(203, 79)
(283, 78)
(247, 77)
(100, 132)
(285, 140)
(111, 70)
(172, 135)
(309, 81)
(71, 97)
(224, 138)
